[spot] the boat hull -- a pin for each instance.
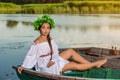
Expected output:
(91, 74)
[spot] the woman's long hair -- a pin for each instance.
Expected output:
(49, 41)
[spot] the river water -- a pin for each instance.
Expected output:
(17, 33)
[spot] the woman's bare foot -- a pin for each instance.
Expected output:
(100, 63)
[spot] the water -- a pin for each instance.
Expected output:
(16, 35)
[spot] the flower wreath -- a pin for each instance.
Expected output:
(40, 21)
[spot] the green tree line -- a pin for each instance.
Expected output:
(68, 7)
(44, 1)
(31, 1)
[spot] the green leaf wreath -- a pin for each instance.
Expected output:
(40, 21)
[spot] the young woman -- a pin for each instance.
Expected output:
(45, 57)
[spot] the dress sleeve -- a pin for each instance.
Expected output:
(31, 57)
(55, 55)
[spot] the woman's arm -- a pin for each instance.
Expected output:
(30, 59)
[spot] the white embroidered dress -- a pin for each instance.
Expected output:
(33, 58)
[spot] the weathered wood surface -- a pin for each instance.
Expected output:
(111, 63)
(102, 52)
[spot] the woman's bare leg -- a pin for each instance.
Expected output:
(70, 53)
(76, 66)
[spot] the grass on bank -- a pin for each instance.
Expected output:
(69, 7)
(9, 8)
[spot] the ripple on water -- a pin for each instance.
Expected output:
(15, 45)
(8, 76)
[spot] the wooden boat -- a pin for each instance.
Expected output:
(110, 70)
(91, 74)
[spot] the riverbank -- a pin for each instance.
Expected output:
(67, 7)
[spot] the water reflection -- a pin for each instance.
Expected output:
(27, 24)
(114, 27)
(82, 28)
(96, 24)
(11, 24)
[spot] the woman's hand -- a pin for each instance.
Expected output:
(50, 63)
(20, 69)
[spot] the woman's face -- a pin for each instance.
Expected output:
(45, 29)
